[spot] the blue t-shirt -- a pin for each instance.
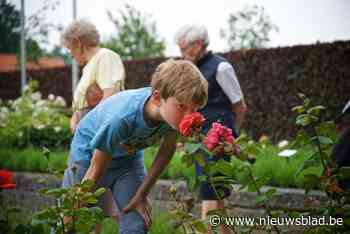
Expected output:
(117, 127)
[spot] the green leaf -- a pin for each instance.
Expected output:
(260, 199)
(192, 147)
(200, 159)
(21, 229)
(87, 184)
(324, 140)
(37, 229)
(310, 181)
(46, 152)
(271, 192)
(316, 110)
(344, 172)
(225, 168)
(298, 109)
(91, 200)
(57, 192)
(301, 140)
(202, 178)
(307, 164)
(251, 149)
(200, 226)
(303, 120)
(187, 159)
(328, 129)
(99, 192)
(41, 181)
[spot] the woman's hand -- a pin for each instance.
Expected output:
(142, 205)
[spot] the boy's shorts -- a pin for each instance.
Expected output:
(123, 176)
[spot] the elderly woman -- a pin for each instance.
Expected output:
(103, 68)
(103, 75)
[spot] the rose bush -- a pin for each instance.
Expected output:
(315, 135)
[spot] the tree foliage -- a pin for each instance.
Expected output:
(136, 35)
(10, 22)
(248, 28)
(37, 26)
(35, 30)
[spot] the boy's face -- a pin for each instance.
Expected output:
(172, 111)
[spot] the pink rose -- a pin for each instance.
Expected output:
(217, 136)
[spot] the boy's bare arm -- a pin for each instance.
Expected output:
(139, 202)
(97, 166)
(163, 157)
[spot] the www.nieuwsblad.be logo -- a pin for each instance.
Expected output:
(216, 220)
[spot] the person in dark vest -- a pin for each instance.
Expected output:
(225, 101)
(341, 151)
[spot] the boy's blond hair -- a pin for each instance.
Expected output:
(180, 79)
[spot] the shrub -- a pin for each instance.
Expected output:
(33, 121)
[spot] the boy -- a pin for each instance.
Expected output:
(107, 145)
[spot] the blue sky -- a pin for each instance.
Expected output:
(299, 21)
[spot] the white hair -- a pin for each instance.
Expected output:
(82, 30)
(192, 33)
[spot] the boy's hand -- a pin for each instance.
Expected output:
(142, 205)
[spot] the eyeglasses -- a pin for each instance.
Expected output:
(186, 47)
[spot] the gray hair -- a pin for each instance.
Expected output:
(192, 33)
(82, 30)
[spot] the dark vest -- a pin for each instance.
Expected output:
(219, 107)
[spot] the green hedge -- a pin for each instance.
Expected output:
(270, 79)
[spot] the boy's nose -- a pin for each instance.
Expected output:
(189, 111)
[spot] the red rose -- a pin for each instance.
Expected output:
(218, 135)
(191, 124)
(6, 180)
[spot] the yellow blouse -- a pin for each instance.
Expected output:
(106, 69)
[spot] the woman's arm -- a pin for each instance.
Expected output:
(110, 91)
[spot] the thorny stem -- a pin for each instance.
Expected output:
(61, 217)
(319, 148)
(260, 194)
